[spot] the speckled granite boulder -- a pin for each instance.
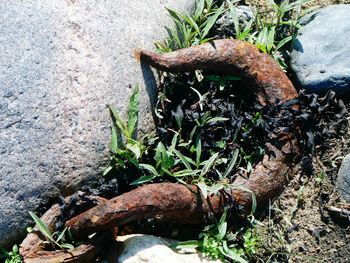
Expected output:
(61, 63)
(321, 52)
(343, 180)
(151, 249)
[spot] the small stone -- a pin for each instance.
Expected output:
(225, 25)
(343, 179)
(150, 249)
(319, 58)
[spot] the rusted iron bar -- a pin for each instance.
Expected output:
(259, 72)
(183, 204)
(34, 249)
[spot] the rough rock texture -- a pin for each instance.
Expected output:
(320, 52)
(146, 248)
(61, 62)
(343, 180)
(244, 13)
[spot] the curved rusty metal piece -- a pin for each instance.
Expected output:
(260, 72)
(34, 249)
(184, 204)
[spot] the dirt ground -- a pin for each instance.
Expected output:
(313, 4)
(299, 228)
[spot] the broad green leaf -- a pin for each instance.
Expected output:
(114, 139)
(135, 149)
(190, 244)
(133, 111)
(160, 151)
(215, 188)
(203, 187)
(143, 179)
(222, 228)
(232, 163)
(211, 21)
(270, 39)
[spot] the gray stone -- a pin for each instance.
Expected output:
(320, 56)
(343, 179)
(225, 23)
(146, 248)
(61, 63)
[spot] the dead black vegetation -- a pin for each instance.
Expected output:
(310, 120)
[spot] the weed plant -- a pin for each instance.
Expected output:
(12, 256)
(272, 29)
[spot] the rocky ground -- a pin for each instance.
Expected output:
(296, 228)
(299, 226)
(313, 4)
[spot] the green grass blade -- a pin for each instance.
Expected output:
(43, 228)
(232, 163)
(133, 111)
(114, 139)
(283, 42)
(149, 168)
(211, 21)
(199, 9)
(143, 179)
(198, 152)
(185, 160)
(118, 121)
(217, 119)
(67, 246)
(175, 15)
(208, 164)
(270, 39)
(235, 19)
(204, 189)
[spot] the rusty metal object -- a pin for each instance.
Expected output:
(183, 204)
(260, 73)
(34, 249)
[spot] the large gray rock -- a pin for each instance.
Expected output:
(61, 62)
(343, 179)
(151, 249)
(320, 56)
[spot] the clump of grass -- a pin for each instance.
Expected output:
(57, 239)
(271, 30)
(192, 29)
